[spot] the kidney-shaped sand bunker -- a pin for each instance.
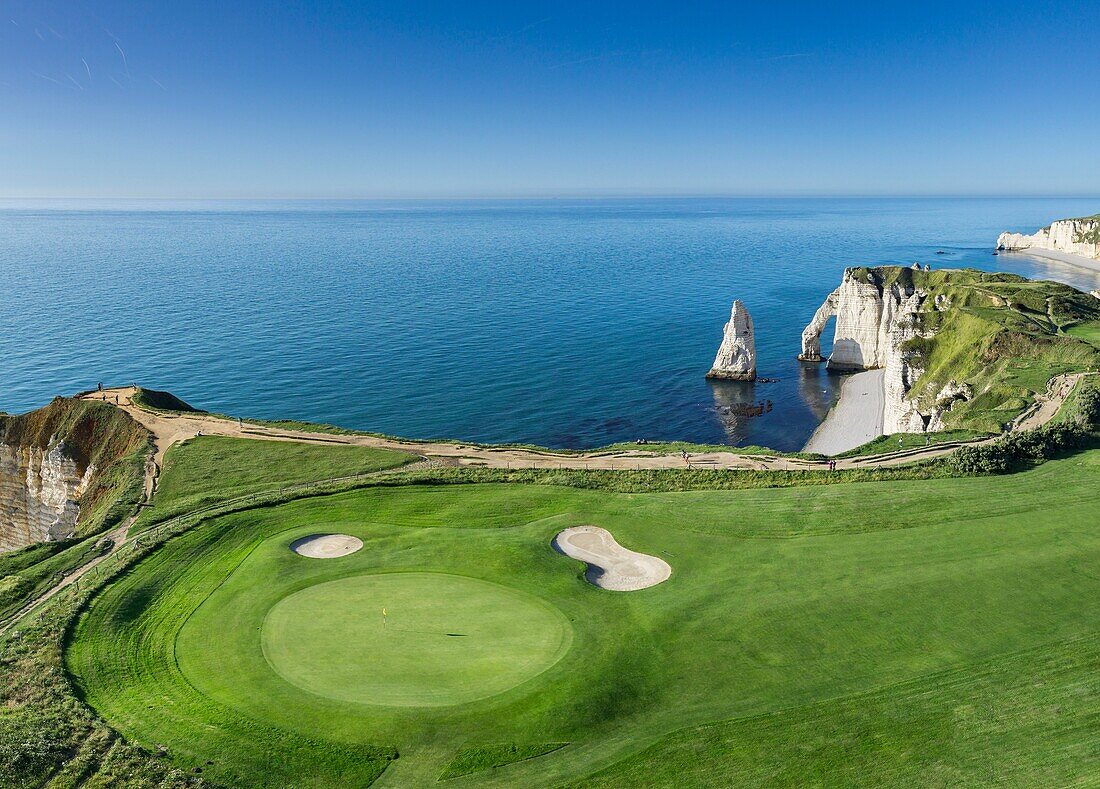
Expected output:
(326, 546)
(610, 565)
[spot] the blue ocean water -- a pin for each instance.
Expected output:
(569, 323)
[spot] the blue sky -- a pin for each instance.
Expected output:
(421, 99)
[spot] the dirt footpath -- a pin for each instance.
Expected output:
(171, 428)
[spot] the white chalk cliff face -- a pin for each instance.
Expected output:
(874, 321)
(1073, 236)
(736, 357)
(866, 312)
(39, 494)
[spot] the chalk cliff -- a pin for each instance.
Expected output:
(736, 357)
(40, 494)
(1072, 236)
(867, 308)
(73, 467)
(877, 314)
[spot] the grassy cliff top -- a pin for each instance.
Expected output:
(1004, 335)
(156, 400)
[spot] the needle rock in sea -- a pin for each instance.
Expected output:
(736, 358)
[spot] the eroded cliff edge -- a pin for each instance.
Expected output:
(73, 467)
(959, 348)
(1079, 236)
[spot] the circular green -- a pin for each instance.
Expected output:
(412, 639)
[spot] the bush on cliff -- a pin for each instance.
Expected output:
(1088, 407)
(1018, 450)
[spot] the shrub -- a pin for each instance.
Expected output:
(1015, 450)
(1088, 407)
(985, 459)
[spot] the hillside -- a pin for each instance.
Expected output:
(962, 349)
(73, 467)
(1000, 338)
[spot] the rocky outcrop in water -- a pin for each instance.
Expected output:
(1072, 236)
(736, 357)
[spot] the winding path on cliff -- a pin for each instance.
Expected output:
(170, 428)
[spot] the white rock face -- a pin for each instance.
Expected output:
(811, 335)
(39, 495)
(874, 321)
(900, 414)
(1072, 236)
(736, 357)
(865, 316)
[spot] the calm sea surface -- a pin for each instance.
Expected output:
(569, 323)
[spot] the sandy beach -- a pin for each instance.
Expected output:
(856, 419)
(1062, 257)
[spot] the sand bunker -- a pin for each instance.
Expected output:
(326, 546)
(610, 565)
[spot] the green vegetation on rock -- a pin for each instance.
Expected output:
(1003, 335)
(156, 400)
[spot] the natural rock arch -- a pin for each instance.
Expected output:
(811, 335)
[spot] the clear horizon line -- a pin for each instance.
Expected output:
(611, 195)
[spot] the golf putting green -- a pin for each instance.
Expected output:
(444, 639)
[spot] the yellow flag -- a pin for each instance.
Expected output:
(384, 612)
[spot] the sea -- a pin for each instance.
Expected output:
(561, 322)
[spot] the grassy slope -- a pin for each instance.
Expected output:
(1023, 719)
(785, 606)
(1003, 335)
(34, 577)
(1088, 331)
(209, 469)
(486, 757)
(896, 441)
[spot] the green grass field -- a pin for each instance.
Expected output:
(210, 469)
(1089, 332)
(928, 632)
(411, 639)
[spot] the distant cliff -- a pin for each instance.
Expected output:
(73, 467)
(952, 342)
(1072, 236)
